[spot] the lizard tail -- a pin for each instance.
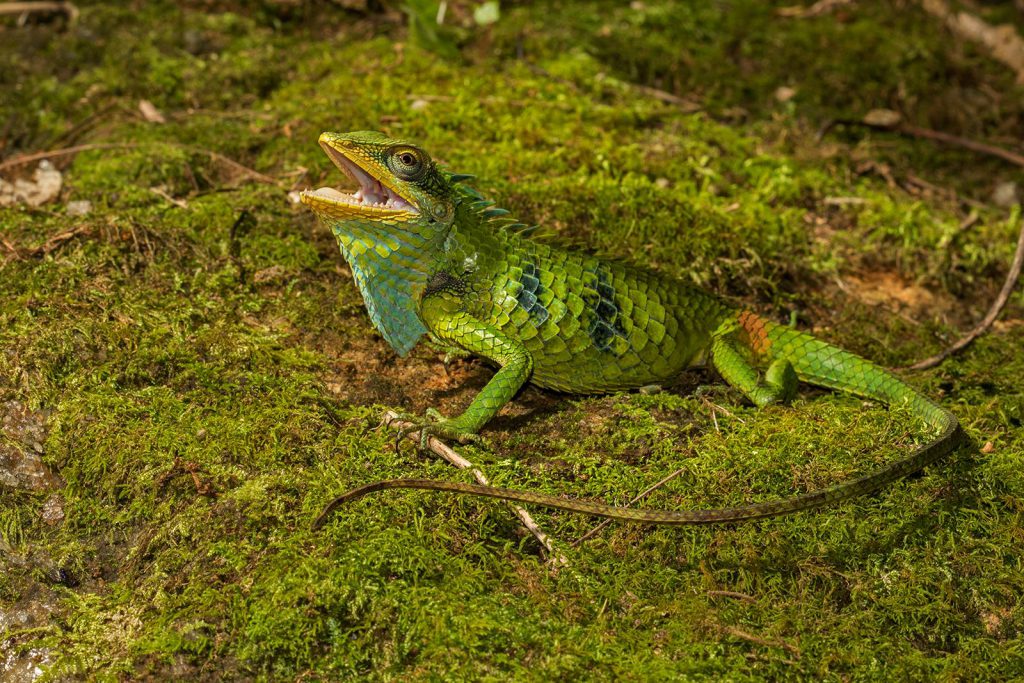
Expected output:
(815, 362)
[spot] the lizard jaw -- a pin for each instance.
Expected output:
(374, 199)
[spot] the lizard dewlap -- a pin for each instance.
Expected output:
(432, 257)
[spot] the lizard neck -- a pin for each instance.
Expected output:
(391, 269)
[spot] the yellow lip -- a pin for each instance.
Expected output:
(377, 196)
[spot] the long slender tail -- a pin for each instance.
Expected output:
(815, 362)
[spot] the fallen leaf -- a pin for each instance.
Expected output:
(883, 118)
(150, 112)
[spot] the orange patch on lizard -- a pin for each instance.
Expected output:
(754, 332)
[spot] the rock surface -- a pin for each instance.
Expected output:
(21, 448)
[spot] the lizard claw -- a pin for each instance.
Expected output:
(413, 424)
(433, 424)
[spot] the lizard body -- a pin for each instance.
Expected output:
(432, 257)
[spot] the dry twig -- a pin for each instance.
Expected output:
(732, 594)
(47, 247)
(739, 633)
(894, 125)
(60, 238)
(993, 312)
(636, 498)
(181, 204)
(67, 8)
(1003, 42)
(444, 451)
(957, 141)
(23, 159)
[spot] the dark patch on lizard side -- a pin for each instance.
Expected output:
(529, 295)
(605, 325)
(443, 281)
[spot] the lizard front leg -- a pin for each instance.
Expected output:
(447, 320)
(451, 353)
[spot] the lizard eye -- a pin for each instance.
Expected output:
(408, 163)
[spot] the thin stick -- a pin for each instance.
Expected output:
(638, 496)
(23, 159)
(732, 594)
(733, 631)
(163, 195)
(993, 312)
(50, 245)
(928, 134)
(1018, 258)
(444, 451)
(25, 7)
(957, 141)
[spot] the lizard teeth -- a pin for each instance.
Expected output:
(371, 194)
(384, 200)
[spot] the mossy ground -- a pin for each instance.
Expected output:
(213, 380)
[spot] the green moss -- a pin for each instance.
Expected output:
(214, 379)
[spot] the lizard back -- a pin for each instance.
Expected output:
(591, 325)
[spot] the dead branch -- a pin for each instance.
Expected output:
(444, 451)
(67, 8)
(1002, 42)
(993, 312)
(23, 159)
(874, 121)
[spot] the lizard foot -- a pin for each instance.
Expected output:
(434, 424)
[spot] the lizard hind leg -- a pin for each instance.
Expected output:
(777, 386)
(781, 378)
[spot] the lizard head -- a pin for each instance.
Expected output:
(398, 182)
(389, 226)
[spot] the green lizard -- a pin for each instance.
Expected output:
(432, 257)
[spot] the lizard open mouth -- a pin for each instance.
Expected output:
(373, 198)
